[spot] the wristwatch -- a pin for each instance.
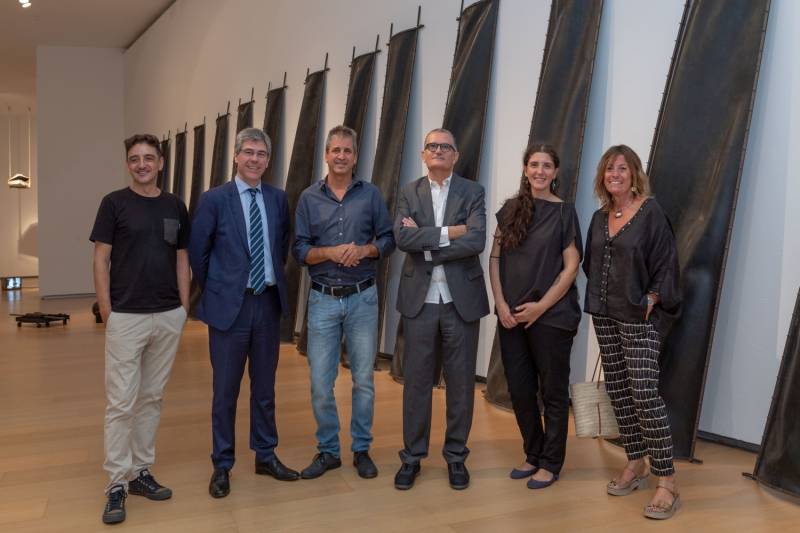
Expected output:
(651, 300)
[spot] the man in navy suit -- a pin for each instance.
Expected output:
(238, 247)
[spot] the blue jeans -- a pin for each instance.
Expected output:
(330, 318)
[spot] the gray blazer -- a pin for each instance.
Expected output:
(462, 266)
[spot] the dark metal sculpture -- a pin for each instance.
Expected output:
(300, 175)
(220, 153)
(273, 118)
(559, 118)
(695, 167)
(465, 111)
(777, 466)
(179, 170)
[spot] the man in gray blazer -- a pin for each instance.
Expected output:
(441, 225)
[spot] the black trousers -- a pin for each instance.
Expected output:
(534, 356)
(438, 323)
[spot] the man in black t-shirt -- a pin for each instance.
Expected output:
(141, 276)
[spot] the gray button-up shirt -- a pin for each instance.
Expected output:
(322, 220)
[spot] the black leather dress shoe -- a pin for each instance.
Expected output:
(220, 484)
(276, 469)
(363, 463)
(321, 463)
(459, 475)
(404, 479)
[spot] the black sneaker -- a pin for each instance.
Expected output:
(404, 479)
(146, 485)
(321, 463)
(363, 463)
(114, 513)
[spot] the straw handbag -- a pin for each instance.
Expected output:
(591, 408)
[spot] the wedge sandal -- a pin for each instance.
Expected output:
(658, 512)
(616, 488)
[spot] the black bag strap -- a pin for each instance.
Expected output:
(598, 371)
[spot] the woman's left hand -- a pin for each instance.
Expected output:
(528, 313)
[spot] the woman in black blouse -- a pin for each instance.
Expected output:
(632, 292)
(533, 265)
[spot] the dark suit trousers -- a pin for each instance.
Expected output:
(438, 323)
(255, 334)
(534, 356)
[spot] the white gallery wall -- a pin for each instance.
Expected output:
(201, 54)
(19, 253)
(81, 158)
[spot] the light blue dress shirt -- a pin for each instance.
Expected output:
(245, 197)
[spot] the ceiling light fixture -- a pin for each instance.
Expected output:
(25, 3)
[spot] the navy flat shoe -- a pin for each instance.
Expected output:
(522, 474)
(536, 484)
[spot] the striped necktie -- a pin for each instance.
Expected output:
(257, 279)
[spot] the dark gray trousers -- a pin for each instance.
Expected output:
(438, 324)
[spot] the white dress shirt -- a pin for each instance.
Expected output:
(438, 291)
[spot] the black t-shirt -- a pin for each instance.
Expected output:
(639, 259)
(145, 234)
(528, 271)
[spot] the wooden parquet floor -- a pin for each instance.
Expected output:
(51, 455)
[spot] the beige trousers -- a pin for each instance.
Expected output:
(140, 350)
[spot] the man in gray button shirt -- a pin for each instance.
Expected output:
(342, 230)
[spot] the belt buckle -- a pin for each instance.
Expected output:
(335, 290)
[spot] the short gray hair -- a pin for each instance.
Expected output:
(442, 130)
(342, 131)
(252, 134)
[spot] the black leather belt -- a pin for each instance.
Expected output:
(251, 291)
(341, 291)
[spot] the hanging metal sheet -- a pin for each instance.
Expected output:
(465, 111)
(777, 465)
(179, 171)
(300, 175)
(695, 167)
(220, 153)
(273, 117)
(162, 181)
(559, 119)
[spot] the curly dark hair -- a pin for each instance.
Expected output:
(514, 226)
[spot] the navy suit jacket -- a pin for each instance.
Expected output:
(220, 255)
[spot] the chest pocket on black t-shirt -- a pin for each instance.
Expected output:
(171, 227)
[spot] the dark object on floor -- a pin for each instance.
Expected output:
(776, 465)
(41, 319)
(98, 319)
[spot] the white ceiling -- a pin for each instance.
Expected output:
(95, 23)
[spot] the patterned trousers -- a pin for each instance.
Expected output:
(629, 352)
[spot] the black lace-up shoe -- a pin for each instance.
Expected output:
(114, 512)
(363, 463)
(220, 484)
(404, 479)
(276, 469)
(459, 475)
(146, 485)
(321, 463)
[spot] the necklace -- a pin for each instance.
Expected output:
(618, 212)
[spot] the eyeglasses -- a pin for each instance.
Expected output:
(260, 154)
(444, 147)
